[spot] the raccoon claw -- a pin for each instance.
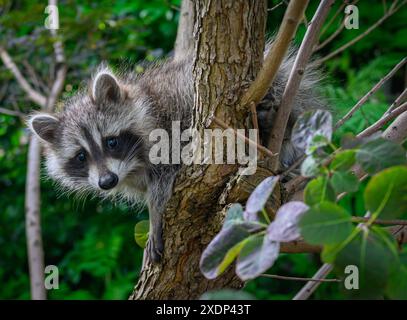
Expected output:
(154, 249)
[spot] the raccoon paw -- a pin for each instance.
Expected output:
(154, 249)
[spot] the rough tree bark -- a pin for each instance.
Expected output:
(229, 48)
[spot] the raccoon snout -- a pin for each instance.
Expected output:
(108, 181)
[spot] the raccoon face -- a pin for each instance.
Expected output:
(98, 142)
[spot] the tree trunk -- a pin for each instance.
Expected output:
(228, 54)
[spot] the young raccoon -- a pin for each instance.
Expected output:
(99, 142)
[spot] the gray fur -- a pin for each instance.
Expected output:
(132, 106)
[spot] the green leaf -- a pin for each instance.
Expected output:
(257, 255)
(326, 223)
(344, 182)
(259, 197)
(227, 294)
(386, 193)
(318, 190)
(373, 254)
(284, 228)
(380, 154)
(343, 160)
(397, 284)
(317, 142)
(309, 125)
(141, 231)
(222, 250)
(310, 167)
(233, 215)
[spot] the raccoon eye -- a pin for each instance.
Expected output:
(112, 142)
(81, 156)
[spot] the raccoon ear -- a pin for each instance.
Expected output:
(44, 126)
(106, 87)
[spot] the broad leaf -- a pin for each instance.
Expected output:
(141, 230)
(343, 160)
(309, 125)
(318, 190)
(310, 167)
(233, 215)
(257, 255)
(344, 182)
(325, 223)
(317, 142)
(284, 228)
(259, 197)
(224, 248)
(397, 284)
(386, 193)
(373, 255)
(380, 154)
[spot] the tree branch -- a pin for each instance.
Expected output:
(400, 99)
(304, 53)
(382, 121)
(33, 221)
(35, 96)
(259, 87)
(335, 33)
(32, 196)
(275, 276)
(61, 68)
(12, 113)
(311, 286)
(397, 131)
(185, 33)
(389, 13)
(376, 87)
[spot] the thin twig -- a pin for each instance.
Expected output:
(389, 13)
(400, 99)
(330, 38)
(276, 6)
(335, 33)
(311, 286)
(370, 93)
(35, 96)
(12, 113)
(172, 6)
(258, 89)
(326, 27)
(259, 147)
(293, 83)
(275, 276)
(380, 221)
(383, 121)
(60, 73)
(254, 119)
(296, 163)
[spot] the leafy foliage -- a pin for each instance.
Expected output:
(321, 220)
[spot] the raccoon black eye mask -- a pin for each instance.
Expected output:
(99, 142)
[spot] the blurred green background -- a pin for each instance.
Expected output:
(92, 243)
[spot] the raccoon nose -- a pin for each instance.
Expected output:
(108, 181)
